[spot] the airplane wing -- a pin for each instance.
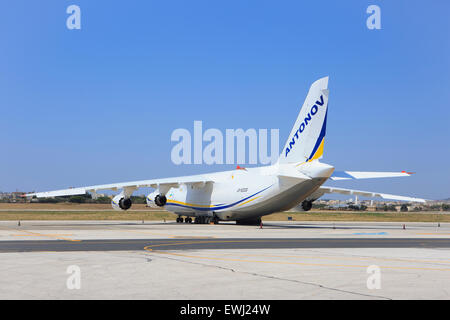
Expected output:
(324, 189)
(351, 175)
(128, 187)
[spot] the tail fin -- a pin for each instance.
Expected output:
(307, 137)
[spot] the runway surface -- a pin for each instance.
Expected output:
(214, 244)
(166, 260)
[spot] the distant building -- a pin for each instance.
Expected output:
(17, 196)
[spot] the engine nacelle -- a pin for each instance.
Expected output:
(306, 205)
(156, 199)
(119, 202)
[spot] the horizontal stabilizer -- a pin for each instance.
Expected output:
(352, 175)
(369, 194)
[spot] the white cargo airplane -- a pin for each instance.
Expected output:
(244, 195)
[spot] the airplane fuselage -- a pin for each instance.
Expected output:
(245, 193)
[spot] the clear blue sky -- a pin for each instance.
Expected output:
(98, 105)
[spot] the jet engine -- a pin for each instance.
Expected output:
(119, 202)
(156, 199)
(306, 205)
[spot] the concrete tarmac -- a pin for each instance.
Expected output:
(216, 244)
(284, 260)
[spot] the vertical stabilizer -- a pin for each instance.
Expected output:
(306, 140)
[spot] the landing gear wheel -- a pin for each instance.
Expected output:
(203, 220)
(249, 222)
(180, 219)
(216, 220)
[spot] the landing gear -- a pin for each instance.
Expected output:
(200, 220)
(249, 222)
(206, 220)
(185, 220)
(180, 219)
